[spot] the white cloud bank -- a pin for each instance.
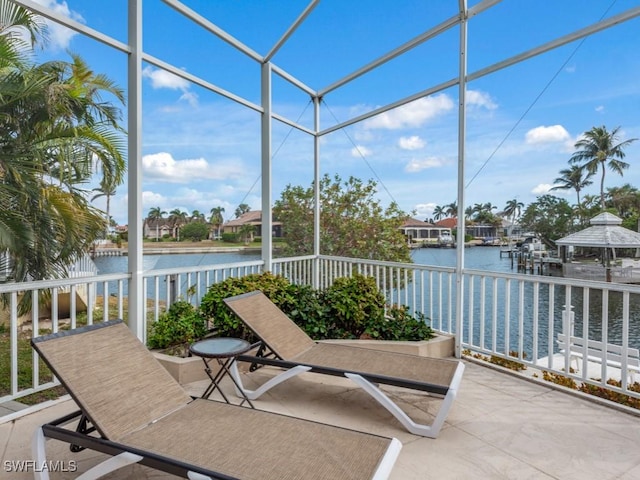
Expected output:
(162, 166)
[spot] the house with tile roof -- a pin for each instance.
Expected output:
(418, 232)
(254, 219)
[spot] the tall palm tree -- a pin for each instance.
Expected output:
(156, 214)
(177, 218)
(107, 191)
(452, 209)
(599, 149)
(573, 178)
(438, 212)
(217, 219)
(56, 133)
(242, 209)
(512, 209)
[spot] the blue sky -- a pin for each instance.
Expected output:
(202, 151)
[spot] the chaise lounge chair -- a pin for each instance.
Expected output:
(284, 344)
(134, 411)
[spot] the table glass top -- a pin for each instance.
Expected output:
(220, 347)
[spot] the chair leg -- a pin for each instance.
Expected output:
(430, 431)
(254, 394)
(110, 465)
(38, 450)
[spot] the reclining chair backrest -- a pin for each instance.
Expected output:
(113, 377)
(268, 322)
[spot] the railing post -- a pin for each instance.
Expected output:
(568, 322)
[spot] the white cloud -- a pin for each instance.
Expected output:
(413, 142)
(552, 134)
(360, 151)
(600, 108)
(424, 210)
(542, 189)
(162, 166)
(413, 114)
(418, 164)
(163, 79)
(480, 99)
(60, 36)
(152, 198)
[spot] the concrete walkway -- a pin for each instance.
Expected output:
(500, 427)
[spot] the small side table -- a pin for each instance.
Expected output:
(225, 350)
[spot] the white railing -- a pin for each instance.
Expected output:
(510, 316)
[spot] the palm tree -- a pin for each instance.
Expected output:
(177, 218)
(246, 232)
(156, 213)
(197, 216)
(217, 219)
(452, 209)
(56, 133)
(438, 212)
(512, 209)
(600, 149)
(573, 178)
(107, 191)
(242, 209)
(625, 199)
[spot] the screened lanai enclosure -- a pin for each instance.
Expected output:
(229, 104)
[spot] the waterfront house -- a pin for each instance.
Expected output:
(420, 233)
(157, 229)
(254, 220)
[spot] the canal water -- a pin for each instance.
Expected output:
(476, 258)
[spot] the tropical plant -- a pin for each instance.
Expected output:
(624, 199)
(56, 133)
(217, 219)
(180, 326)
(573, 178)
(351, 308)
(438, 212)
(599, 149)
(195, 231)
(452, 209)
(197, 216)
(105, 190)
(246, 232)
(156, 214)
(549, 217)
(177, 218)
(242, 209)
(513, 209)
(352, 221)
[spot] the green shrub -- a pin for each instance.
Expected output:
(350, 308)
(400, 325)
(180, 326)
(297, 301)
(352, 304)
(231, 237)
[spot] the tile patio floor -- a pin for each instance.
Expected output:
(500, 427)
